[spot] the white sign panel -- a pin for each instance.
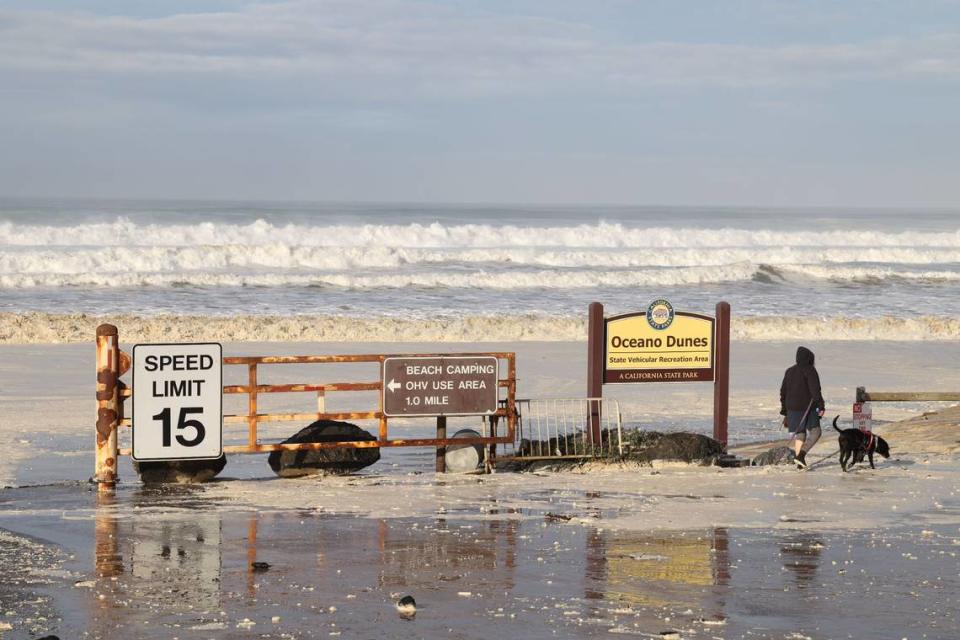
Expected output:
(177, 401)
(863, 416)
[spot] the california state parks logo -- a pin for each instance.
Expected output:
(660, 314)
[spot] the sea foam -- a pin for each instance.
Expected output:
(59, 328)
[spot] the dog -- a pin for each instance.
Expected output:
(855, 444)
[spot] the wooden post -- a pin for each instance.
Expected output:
(441, 451)
(721, 381)
(108, 406)
(595, 339)
(906, 396)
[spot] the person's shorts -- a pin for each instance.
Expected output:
(794, 418)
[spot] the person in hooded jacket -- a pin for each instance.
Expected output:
(801, 404)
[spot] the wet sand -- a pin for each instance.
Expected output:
(711, 553)
(177, 563)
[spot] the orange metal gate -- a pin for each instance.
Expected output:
(112, 392)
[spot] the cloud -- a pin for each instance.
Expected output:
(398, 47)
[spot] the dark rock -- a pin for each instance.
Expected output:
(180, 471)
(291, 464)
(647, 446)
(777, 455)
(260, 566)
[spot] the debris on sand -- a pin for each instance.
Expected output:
(558, 517)
(407, 607)
(638, 445)
(776, 455)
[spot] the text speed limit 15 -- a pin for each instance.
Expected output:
(177, 401)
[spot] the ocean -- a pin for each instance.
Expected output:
(856, 274)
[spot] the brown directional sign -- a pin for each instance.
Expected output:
(440, 386)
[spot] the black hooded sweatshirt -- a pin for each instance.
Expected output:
(801, 383)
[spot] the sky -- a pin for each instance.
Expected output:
(772, 103)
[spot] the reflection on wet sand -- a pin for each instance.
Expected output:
(163, 562)
(801, 556)
(158, 562)
(107, 553)
(154, 564)
(655, 570)
(448, 553)
(159, 558)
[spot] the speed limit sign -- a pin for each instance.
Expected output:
(177, 401)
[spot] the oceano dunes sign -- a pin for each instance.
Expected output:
(659, 345)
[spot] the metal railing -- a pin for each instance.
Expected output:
(112, 394)
(568, 428)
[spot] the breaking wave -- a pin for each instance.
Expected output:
(123, 253)
(123, 232)
(418, 270)
(162, 259)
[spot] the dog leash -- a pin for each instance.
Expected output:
(803, 420)
(822, 460)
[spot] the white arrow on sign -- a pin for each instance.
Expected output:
(393, 385)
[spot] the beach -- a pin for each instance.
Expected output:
(591, 551)
(763, 552)
(59, 378)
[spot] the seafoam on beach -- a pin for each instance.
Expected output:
(47, 328)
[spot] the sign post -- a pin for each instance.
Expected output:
(661, 345)
(595, 357)
(177, 401)
(721, 381)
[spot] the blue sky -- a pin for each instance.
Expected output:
(803, 103)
